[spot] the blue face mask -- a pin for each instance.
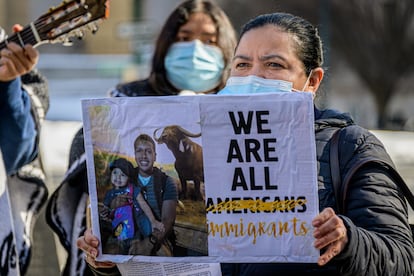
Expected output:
(254, 84)
(194, 66)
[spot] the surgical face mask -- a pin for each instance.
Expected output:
(254, 84)
(194, 66)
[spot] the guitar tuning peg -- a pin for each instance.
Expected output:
(94, 28)
(80, 35)
(67, 42)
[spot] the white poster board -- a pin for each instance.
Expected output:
(259, 193)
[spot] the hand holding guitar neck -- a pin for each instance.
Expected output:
(61, 23)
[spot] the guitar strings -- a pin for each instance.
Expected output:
(28, 36)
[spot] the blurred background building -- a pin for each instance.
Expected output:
(368, 77)
(369, 62)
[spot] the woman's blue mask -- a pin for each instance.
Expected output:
(194, 66)
(254, 84)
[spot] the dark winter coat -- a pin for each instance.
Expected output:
(134, 89)
(380, 241)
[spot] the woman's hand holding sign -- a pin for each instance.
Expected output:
(89, 244)
(330, 233)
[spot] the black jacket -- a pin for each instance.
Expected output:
(380, 238)
(380, 241)
(134, 89)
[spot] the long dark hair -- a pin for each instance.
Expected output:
(225, 33)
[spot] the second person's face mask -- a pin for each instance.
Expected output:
(194, 66)
(254, 84)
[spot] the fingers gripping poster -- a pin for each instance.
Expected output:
(203, 179)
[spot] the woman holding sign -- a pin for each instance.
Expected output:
(372, 235)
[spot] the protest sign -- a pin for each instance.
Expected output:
(258, 191)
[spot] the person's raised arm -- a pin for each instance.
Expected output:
(17, 126)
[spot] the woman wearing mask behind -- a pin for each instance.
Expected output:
(192, 55)
(372, 235)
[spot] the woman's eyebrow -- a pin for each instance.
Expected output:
(243, 57)
(262, 58)
(190, 32)
(184, 31)
(271, 56)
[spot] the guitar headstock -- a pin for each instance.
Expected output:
(70, 19)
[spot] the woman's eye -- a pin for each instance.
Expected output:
(210, 42)
(241, 65)
(274, 65)
(183, 39)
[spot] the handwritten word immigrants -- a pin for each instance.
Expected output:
(270, 229)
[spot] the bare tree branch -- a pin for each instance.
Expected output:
(377, 40)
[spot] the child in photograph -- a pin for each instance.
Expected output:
(126, 209)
